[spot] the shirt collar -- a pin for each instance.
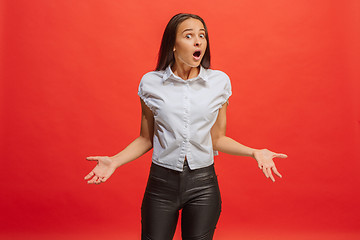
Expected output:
(168, 74)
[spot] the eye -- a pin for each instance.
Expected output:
(202, 35)
(188, 35)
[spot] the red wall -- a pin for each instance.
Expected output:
(69, 78)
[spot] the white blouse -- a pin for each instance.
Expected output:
(184, 113)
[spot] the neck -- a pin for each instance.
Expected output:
(184, 71)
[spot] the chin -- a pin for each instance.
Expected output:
(196, 64)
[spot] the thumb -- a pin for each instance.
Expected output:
(280, 155)
(92, 158)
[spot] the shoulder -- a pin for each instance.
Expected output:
(152, 76)
(151, 82)
(217, 76)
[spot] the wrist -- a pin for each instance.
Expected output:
(255, 153)
(116, 161)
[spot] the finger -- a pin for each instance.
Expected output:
(270, 174)
(280, 155)
(90, 181)
(92, 158)
(276, 171)
(98, 181)
(93, 180)
(265, 172)
(259, 165)
(104, 179)
(89, 175)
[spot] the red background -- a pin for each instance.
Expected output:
(69, 78)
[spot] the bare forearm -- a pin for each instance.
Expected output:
(134, 150)
(230, 146)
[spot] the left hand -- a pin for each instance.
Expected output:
(265, 162)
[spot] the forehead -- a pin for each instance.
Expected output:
(190, 23)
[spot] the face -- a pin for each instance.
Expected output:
(190, 43)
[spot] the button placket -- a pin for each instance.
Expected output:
(183, 152)
(186, 116)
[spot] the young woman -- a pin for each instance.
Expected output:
(184, 120)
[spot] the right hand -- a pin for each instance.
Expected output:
(102, 171)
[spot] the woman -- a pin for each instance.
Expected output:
(184, 120)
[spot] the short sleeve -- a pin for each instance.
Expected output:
(226, 90)
(144, 92)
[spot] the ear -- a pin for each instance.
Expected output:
(174, 49)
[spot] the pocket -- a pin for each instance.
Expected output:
(157, 186)
(157, 179)
(204, 178)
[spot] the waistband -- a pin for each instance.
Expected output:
(163, 170)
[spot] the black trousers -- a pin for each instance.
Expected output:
(196, 192)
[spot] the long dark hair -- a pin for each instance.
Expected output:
(166, 55)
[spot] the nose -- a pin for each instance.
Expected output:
(197, 42)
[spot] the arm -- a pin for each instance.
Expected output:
(227, 145)
(141, 144)
(223, 143)
(107, 165)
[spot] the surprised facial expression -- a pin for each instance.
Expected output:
(190, 43)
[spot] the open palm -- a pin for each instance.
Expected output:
(102, 171)
(265, 162)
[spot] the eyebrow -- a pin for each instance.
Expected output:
(190, 29)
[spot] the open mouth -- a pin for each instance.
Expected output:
(197, 54)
